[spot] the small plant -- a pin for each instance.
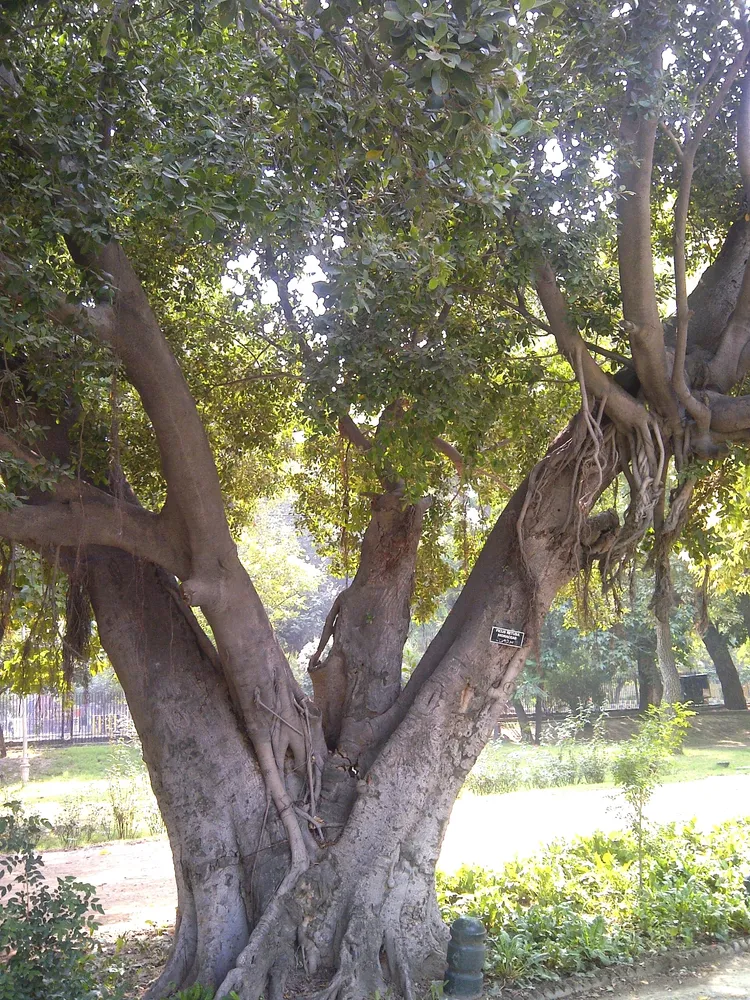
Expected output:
(81, 822)
(578, 904)
(45, 934)
(127, 788)
(194, 992)
(494, 772)
(550, 771)
(640, 764)
(153, 818)
(198, 992)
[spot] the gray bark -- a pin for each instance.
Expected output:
(207, 783)
(650, 684)
(667, 665)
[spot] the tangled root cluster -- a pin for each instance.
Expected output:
(596, 449)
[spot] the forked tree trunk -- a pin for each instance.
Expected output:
(364, 916)
(731, 686)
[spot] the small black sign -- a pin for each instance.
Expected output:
(506, 636)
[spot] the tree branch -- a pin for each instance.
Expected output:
(634, 250)
(622, 408)
(90, 320)
(77, 523)
(451, 452)
(697, 411)
(193, 488)
(282, 287)
(729, 414)
(743, 138)
(349, 430)
(76, 513)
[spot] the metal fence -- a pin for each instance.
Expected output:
(83, 717)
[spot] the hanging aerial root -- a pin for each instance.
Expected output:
(643, 460)
(590, 447)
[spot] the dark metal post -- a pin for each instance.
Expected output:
(466, 954)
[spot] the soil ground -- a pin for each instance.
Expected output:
(708, 728)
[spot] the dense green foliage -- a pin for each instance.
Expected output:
(577, 905)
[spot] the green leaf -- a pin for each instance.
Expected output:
(521, 127)
(439, 83)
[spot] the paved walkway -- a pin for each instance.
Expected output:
(727, 980)
(491, 829)
(136, 883)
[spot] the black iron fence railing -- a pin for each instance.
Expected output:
(83, 716)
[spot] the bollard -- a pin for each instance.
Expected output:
(466, 953)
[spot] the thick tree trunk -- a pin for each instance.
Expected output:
(365, 916)
(743, 605)
(650, 684)
(538, 720)
(670, 675)
(731, 686)
(360, 678)
(228, 861)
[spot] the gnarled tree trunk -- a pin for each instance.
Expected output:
(228, 855)
(365, 915)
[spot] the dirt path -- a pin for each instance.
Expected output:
(134, 880)
(490, 829)
(136, 884)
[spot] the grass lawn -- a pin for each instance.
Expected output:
(693, 763)
(60, 775)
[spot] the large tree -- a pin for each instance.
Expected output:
(456, 171)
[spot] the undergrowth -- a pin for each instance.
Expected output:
(579, 905)
(566, 759)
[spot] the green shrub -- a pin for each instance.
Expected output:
(578, 905)
(567, 758)
(45, 934)
(592, 762)
(495, 772)
(198, 992)
(549, 771)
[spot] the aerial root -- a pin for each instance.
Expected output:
(643, 460)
